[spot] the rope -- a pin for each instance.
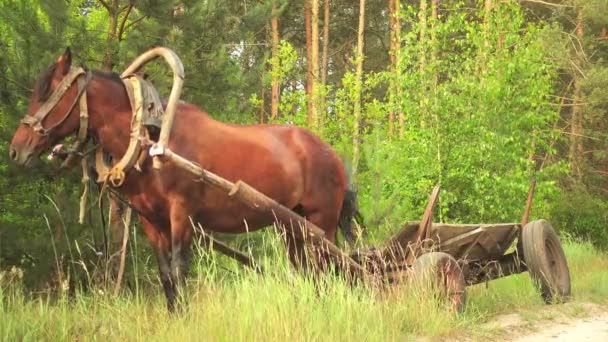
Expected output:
(123, 251)
(85, 192)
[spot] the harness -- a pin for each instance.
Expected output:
(82, 77)
(147, 110)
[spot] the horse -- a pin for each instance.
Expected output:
(287, 163)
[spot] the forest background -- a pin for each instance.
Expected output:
(479, 97)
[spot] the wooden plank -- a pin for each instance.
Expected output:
(424, 229)
(526, 216)
(465, 254)
(459, 241)
(396, 246)
(427, 218)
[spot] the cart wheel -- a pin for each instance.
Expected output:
(546, 260)
(440, 270)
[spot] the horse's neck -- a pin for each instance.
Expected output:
(110, 115)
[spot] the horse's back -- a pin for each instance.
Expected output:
(287, 163)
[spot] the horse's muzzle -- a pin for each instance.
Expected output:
(23, 158)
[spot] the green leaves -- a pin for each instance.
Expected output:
(478, 115)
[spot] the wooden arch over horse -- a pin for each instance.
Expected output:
(289, 164)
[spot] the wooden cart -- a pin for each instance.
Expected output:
(455, 256)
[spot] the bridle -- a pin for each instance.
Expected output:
(82, 77)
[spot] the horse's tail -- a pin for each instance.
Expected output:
(349, 213)
(350, 210)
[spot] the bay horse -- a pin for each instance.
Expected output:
(289, 164)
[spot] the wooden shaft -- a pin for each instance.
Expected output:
(257, 201)
(230, 252)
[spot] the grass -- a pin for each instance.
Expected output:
(242, 306)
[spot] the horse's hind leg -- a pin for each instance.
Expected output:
(311, 259)
(297, 252)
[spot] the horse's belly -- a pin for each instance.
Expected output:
(233, 221)
(219, 212)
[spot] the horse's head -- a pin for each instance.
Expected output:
(52, 113)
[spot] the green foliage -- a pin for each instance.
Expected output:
(484, 112)
(583, 215)
(476, 131)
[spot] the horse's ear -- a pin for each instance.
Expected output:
(64, 62)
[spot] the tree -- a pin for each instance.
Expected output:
(394, 48)
(274, 112)
(309, 69)
(576, 120)
(313, 65)
(325, 58)
(118, 14)
(358, 88)
(488, 6)
(422, 16)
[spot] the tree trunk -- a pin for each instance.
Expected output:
(422, 17)
(274, 102)
(325, 57)
(434, 43)
(488, 6)
(314, 63)
(397, 23)
(423, 29)
(359, 88)
(111, 38)
(394, 51)
(434, 84)
(117, 19)
(308, 29)
(392, 54)
(576, 123)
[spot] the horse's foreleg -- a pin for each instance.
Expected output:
(159, 240)
(181, 238)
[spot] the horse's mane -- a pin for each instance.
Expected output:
(109, 75)
(43, 86)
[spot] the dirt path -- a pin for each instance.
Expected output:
(593, 328)
(575, 321)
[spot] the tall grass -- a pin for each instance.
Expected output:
(238, 305)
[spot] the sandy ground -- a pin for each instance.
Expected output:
(566, 322)
(593, 328)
